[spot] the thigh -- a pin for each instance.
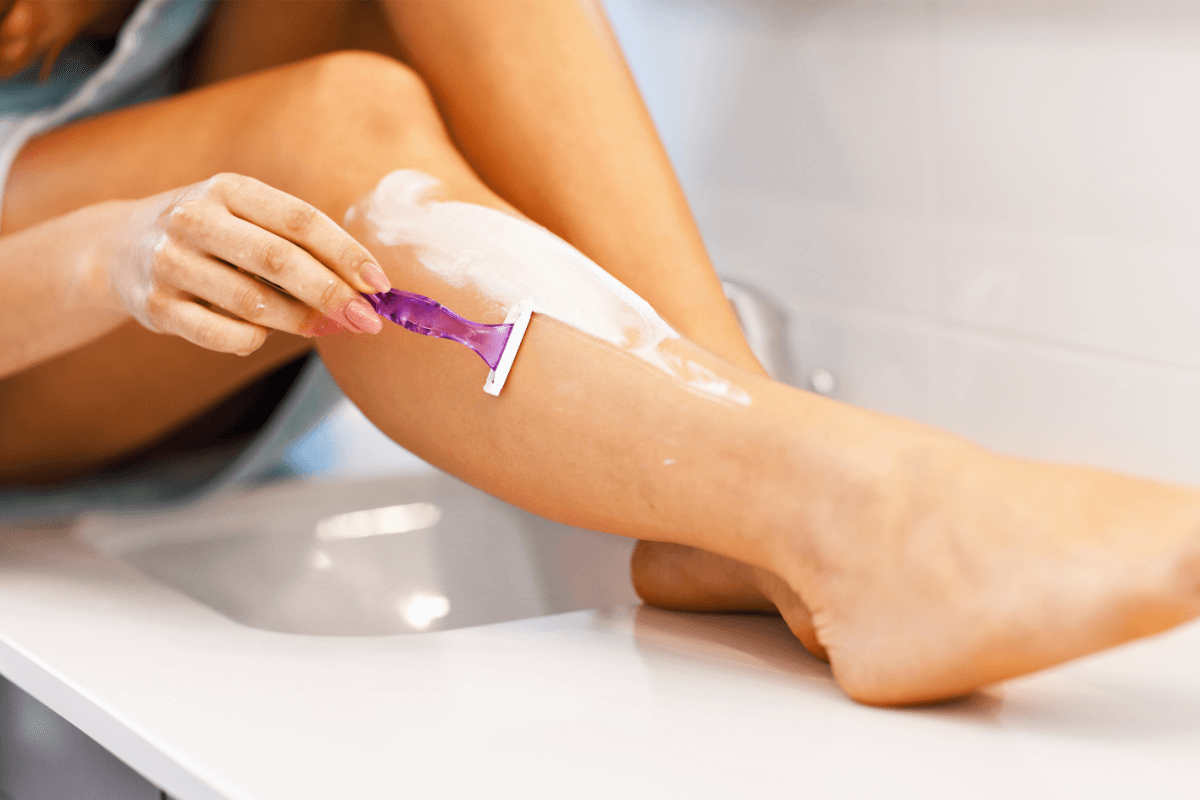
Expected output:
(321, 129)
(324, 130)
(245, 37)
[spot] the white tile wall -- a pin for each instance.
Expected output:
(1053, 403)
(981, 214)
(1070, 172)
(840, 252)
(878, 360)
(1123, 295)
(1076, 116)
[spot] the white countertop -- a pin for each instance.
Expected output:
(631, 702)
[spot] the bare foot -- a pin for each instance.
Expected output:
(980, 568)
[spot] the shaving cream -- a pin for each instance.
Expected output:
(507, 259)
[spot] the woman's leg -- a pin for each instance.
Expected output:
(242, 38)
(608, 189)
(931, 566)
(277, 127)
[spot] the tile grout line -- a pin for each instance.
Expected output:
(937, 324)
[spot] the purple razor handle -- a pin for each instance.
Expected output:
(496, 344)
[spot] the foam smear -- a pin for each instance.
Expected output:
(507, 259)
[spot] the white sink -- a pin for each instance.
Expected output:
(369, 558)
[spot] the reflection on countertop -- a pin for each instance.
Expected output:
(625, 702)
(406, 554)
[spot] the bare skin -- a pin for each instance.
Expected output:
(500, 49)
(573, 177)
(931, 567)
(31, 30)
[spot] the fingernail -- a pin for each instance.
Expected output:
(360, 314)
(325, 326)
(374, 276)
(13, 50)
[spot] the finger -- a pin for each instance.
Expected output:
(60, 29)
(50, 59)
(5, 7)
(244, 296)
(17, 39)
(277, 260)
(17, 21)
(15, 55)
(295, 220)
(208, 329)
(209, 225)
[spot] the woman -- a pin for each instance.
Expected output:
(919, 565)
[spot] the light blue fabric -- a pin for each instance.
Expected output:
(167, 482)
(144, 65)
(85, 81)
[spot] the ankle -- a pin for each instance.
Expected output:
(873, 483)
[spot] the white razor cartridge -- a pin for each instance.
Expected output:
(518, 316)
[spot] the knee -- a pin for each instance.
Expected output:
(358, 73)
(363, 94)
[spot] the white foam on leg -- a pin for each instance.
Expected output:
(518, 316)
(507, 259)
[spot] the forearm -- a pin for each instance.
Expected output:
(539, 100)
(55, 297)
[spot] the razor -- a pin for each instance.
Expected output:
(497, 345)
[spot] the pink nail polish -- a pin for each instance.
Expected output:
(374, 276)
(362, 316)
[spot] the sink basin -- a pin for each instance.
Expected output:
(369, 558)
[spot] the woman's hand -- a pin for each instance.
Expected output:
(224, 262)
(33, 28)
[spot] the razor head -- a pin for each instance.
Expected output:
(518, 316)
(497, 345)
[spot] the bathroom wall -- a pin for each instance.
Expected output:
(983, 215)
